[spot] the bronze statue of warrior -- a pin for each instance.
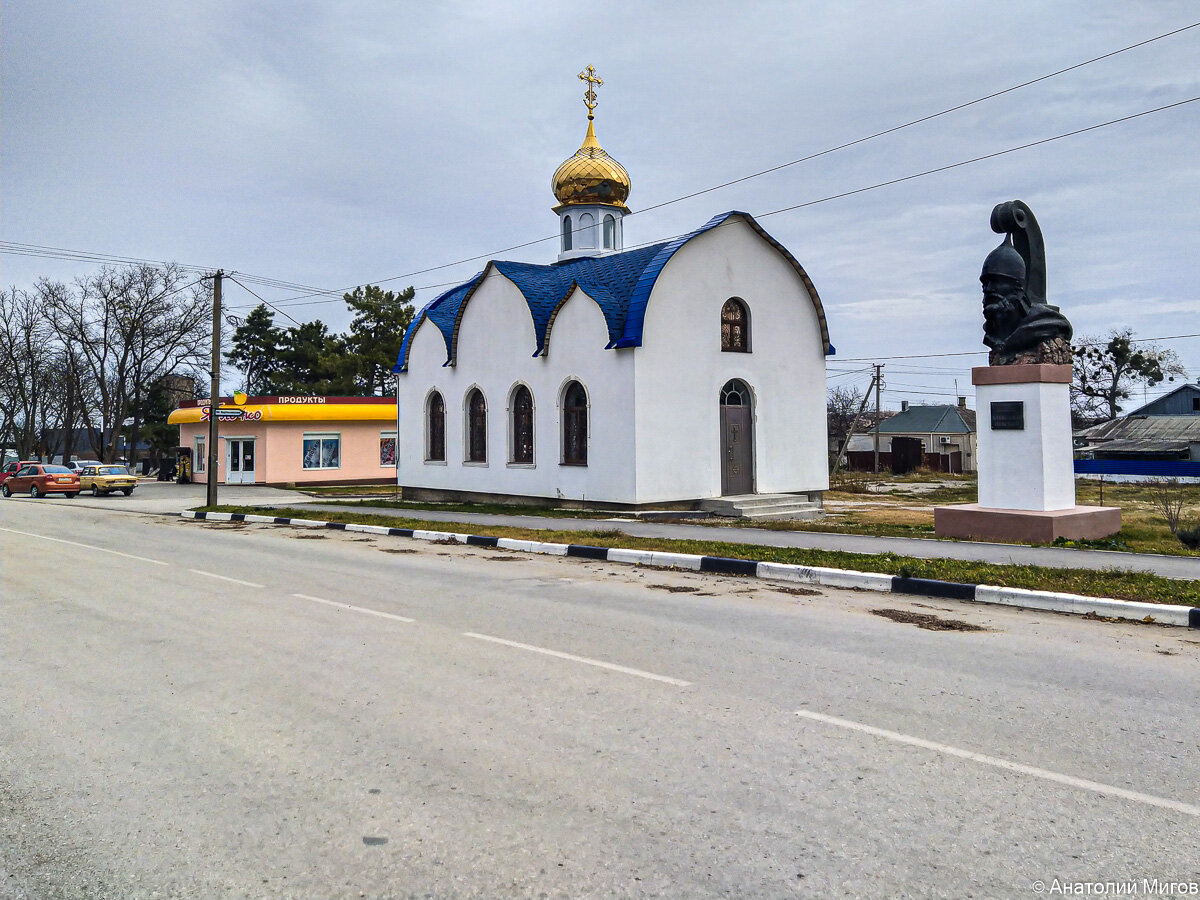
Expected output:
(1019, 326)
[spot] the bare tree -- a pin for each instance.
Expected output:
(27, 349)
(1166, 496)
(1108, 368)
(130, 326)
(841, 406)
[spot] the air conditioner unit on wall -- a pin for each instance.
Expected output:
(945, 440)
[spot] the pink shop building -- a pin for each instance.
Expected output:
(293, 440)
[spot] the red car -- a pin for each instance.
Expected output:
(11, 469)
(40, 480)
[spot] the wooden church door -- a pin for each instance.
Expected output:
(737, 439)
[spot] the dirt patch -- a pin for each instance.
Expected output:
(449, 540)
(798, 591)
(396, 550)
(309, 537)
(674, 588)
(928, 621)
(226, 524)
(503, 558)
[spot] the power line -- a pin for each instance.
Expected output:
(845, 359)
(872, 187)
(35, 250)
(986, 156)
(273, 306)
(922, 119)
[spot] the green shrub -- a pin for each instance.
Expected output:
(1189, 537)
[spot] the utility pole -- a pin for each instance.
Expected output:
(214, 393)
(837, 463)
(878, 379)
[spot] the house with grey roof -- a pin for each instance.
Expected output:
(946, 434)
(1147, 437)
(1183, 401)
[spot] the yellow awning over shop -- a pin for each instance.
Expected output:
(295, 412)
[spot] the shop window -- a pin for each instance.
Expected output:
(322, 451)
(387, 448)
(575, 425)
(201, 459)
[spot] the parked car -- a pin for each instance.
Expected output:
(102, 479)
(11, 469)
(78, 465)
(40, 479)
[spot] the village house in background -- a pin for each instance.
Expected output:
(940, 437)
(682, 371)
(291, 440)
(1158, 440)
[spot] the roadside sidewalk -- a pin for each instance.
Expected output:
(170, 498)
(1181, 567)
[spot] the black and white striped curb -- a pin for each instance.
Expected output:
(1162, 614)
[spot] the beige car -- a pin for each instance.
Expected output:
(106, 479)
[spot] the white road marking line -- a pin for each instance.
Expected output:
(157, 562)
(1070, 780)
(226, 578)
(580, 659)
(361, 609)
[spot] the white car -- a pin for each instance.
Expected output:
(76, 465)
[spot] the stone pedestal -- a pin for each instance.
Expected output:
(1025, 461)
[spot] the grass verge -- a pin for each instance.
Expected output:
(1122, 584)
(500, 509)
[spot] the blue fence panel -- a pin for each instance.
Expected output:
(1155, 468)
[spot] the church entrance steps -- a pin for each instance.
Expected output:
(765, 506)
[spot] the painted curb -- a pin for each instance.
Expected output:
(1075, 604)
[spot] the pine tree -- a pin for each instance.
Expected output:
(257, 349)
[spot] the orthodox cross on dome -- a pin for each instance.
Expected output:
(589, 77)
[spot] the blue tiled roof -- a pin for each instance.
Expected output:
(620, 283)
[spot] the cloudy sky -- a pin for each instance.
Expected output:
(336, 144)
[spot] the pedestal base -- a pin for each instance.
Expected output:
(970, 520)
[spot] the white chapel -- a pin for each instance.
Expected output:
(684, 370)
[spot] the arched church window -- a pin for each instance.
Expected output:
(735, 393)
(735, 326)
(522, 425)
(575, 425)
(610, 232)
(566, 233)
(587, 230)
(435, 432)
(476, 426)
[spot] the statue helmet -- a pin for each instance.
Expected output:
(1004, 261)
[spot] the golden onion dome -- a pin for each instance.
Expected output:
(591, 176)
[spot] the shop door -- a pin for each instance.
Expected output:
(239, 461)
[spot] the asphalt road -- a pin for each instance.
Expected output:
(214, 710)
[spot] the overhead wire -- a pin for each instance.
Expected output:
(35, 250)
(825, 152)
(862, 190)
(265, 302)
